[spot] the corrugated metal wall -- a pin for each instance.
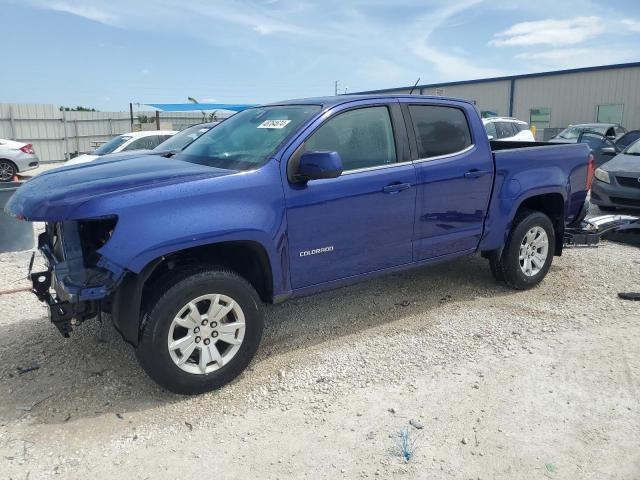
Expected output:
(574, 97)
(39, 124)
(57, 135)
(493, 96)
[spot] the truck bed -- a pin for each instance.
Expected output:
(525, 169)
(503, 145)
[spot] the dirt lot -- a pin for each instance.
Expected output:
(506, 385)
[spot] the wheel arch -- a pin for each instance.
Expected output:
(249, 259)
(553, 206)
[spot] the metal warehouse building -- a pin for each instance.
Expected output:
(551, 100)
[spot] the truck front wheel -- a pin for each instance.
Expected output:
(201, 332)
(528, 253)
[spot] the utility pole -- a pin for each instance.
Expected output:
(336, 87)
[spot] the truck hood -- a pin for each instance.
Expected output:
(54, 195)
(623, 163)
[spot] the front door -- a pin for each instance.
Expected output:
(363, 220)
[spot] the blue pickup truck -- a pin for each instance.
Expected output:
(286, 200)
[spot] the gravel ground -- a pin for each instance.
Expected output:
(504, 384)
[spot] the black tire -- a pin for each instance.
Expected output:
(7, 170)
(506, 266)
(606, 209)
(153, 351)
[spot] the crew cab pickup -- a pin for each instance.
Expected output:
(286, 200)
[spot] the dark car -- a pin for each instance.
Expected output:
(617, 182)
(605, 148)
(627, 139)
(571, 134)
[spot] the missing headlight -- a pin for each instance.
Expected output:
(94, 234)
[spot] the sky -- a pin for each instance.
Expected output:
(107, 53)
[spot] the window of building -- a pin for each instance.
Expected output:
(439, 130)
(362, 137)
(440, 91)
(540, 117)
(609, 113)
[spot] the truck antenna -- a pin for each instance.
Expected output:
(414, 86)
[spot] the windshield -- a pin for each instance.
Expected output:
(633, 149)
(111, 145)
(245, 140)
(574, 132)
(182, 138)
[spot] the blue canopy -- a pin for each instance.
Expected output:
(189, 107)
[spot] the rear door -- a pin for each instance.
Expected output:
(455, 177)
(363, 220)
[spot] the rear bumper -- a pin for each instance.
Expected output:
(25, 162)
(614, 195)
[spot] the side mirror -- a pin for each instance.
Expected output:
(490, 137)
(318, 165)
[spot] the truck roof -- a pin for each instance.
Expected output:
(340, 99)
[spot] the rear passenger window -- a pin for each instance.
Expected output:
(439, 130)
(362, 137)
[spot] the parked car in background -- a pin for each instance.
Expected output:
(571, 133)
(627, 139)
(605, 148)
(285, 200)
(508, 129)
(126, 142)
(16, 157)
(617, 182)
(170, 146)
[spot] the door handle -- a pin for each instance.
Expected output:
(396, 187)
(476, 173)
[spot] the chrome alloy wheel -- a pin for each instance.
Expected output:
(534, 250)
(7, 171)
(206, 333)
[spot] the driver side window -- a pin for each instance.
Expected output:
(363, 138)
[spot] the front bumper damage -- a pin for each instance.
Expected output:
(80, 292)
(589, 232)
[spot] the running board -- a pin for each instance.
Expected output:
(589, 232)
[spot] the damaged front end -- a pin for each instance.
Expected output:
(82, 279)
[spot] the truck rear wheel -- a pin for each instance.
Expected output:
(528, 253)
(201, 332)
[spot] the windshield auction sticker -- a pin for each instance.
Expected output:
(274, 124)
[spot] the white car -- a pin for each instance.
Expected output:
(126, 142)
(16, 157)
(508, 129)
